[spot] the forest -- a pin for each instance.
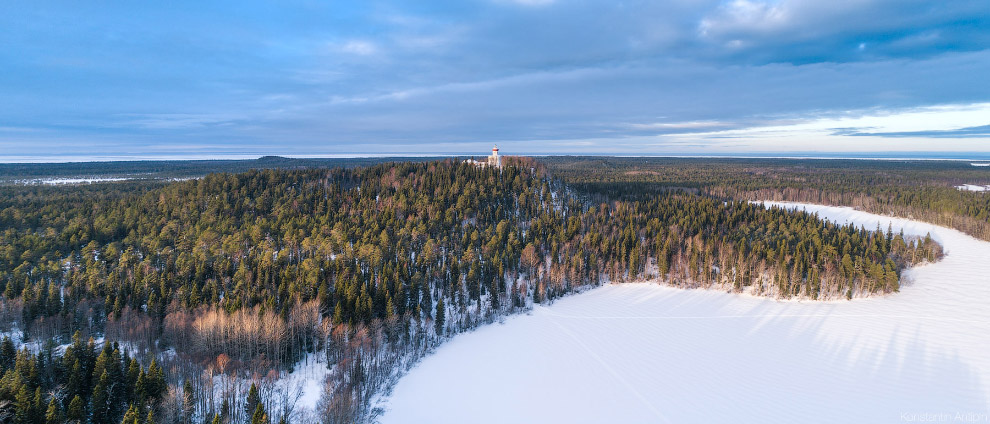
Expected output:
(214, 287)
(165, 170)
(918, 189)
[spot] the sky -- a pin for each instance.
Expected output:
(101, 80)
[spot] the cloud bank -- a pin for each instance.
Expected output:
(228, 79)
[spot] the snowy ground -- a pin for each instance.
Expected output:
(642, 353)
(309, 377)
(973, 187)
(91, 180)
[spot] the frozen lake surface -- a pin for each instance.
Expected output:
(643, 353)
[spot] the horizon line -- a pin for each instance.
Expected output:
(879, 156)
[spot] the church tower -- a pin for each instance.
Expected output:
(494, 160)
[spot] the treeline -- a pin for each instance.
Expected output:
(924, 190)
(694, 241)
(150, 170)
(374, 266)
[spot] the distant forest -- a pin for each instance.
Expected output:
(149, 170)
(919, 189)
(238, 274)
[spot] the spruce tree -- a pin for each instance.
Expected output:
(253, 400)
(225, 409)
(54, 413)
(37, 407)
(23, 406)
(141, 387)
(155, 385)
(7, 354)
(102, 406)
(188, 400)
(259, 416)
(77, 410)
(132, 416)
(133, 373)
(440, 316)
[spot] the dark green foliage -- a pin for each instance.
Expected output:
(259, 416)
(7, 354)
(47, 388)
(439, 317)
(77, 410)
(132, 416)
(253, 400)
(53, 415)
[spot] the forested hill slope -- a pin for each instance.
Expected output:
(374, 265)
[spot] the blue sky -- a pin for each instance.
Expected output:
(121, 80)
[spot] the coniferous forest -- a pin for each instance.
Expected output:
(920, 189)
(182, 301)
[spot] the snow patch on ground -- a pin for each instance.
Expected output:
(973, 187)
(645, 353)
(91, 180)
(63, 181)
(309, 375)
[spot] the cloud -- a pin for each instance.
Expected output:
(538, 77)
(171, 121)
(866, 130)
(807, 31)
(359, 47)
(982, 131)
(679, 126)
(742, 16)
(528, 2)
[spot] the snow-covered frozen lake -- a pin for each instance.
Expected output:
(643, 353)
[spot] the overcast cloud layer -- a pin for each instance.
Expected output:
(104, 80)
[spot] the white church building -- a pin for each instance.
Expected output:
(493, 160)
